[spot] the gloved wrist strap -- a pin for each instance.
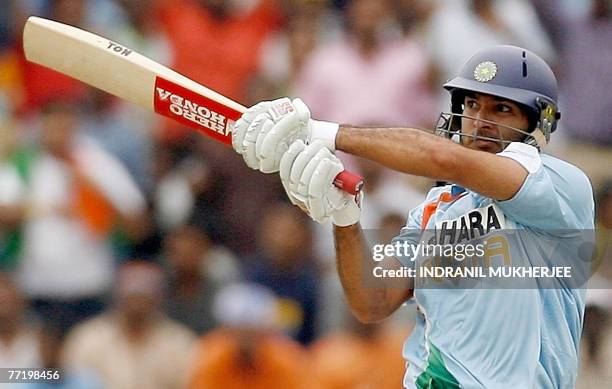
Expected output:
(325, 132)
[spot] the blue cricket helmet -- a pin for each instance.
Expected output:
(512, 73)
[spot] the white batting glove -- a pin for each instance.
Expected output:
(307, 173)
(264, 132)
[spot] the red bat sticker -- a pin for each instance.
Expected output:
(194, 110)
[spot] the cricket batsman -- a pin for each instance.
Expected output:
(503, 111)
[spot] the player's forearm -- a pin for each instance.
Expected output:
(353, 260)
(423, 154)
(406, 150)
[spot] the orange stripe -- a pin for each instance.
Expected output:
(430, 209)
(90, 204)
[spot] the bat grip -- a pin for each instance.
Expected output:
(349, 182)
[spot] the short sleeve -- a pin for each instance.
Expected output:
(554, 195)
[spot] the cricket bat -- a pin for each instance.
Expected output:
(124, 73)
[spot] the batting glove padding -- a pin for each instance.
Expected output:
(264, 132)
(307, 173)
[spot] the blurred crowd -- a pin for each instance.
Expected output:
(135, 253)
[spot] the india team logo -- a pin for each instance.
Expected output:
(485, 71)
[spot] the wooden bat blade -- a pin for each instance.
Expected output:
(124, 73)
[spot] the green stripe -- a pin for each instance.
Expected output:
(11, 241)
(10, 247)
(436, 376)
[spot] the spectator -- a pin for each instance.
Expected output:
(232, 221)
(133, 345)
(603, 261)
(413, 16)
(247, 351)
(217, 42)
(189, 179)
(50, 345)
(596, 346)
(141, 30)
(310, 23)
(18, 338)
(26, 345)
(585, 81)
(346, 359)
(392, 73)
(181, 177)
(284, 263)
(196, 268)
(68, 196)
(40, 85)
(126, 133)
(459, 28)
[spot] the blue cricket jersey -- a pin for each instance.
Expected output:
(502, 338)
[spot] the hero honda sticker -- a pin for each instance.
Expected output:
(194, 110)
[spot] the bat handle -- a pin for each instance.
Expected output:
(349, 182)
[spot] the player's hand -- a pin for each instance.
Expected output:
(264, 132)
(307, 173)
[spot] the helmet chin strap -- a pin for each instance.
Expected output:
(537, 139)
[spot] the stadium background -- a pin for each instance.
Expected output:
(214, 263)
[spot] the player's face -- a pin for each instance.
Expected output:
(494, 118)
